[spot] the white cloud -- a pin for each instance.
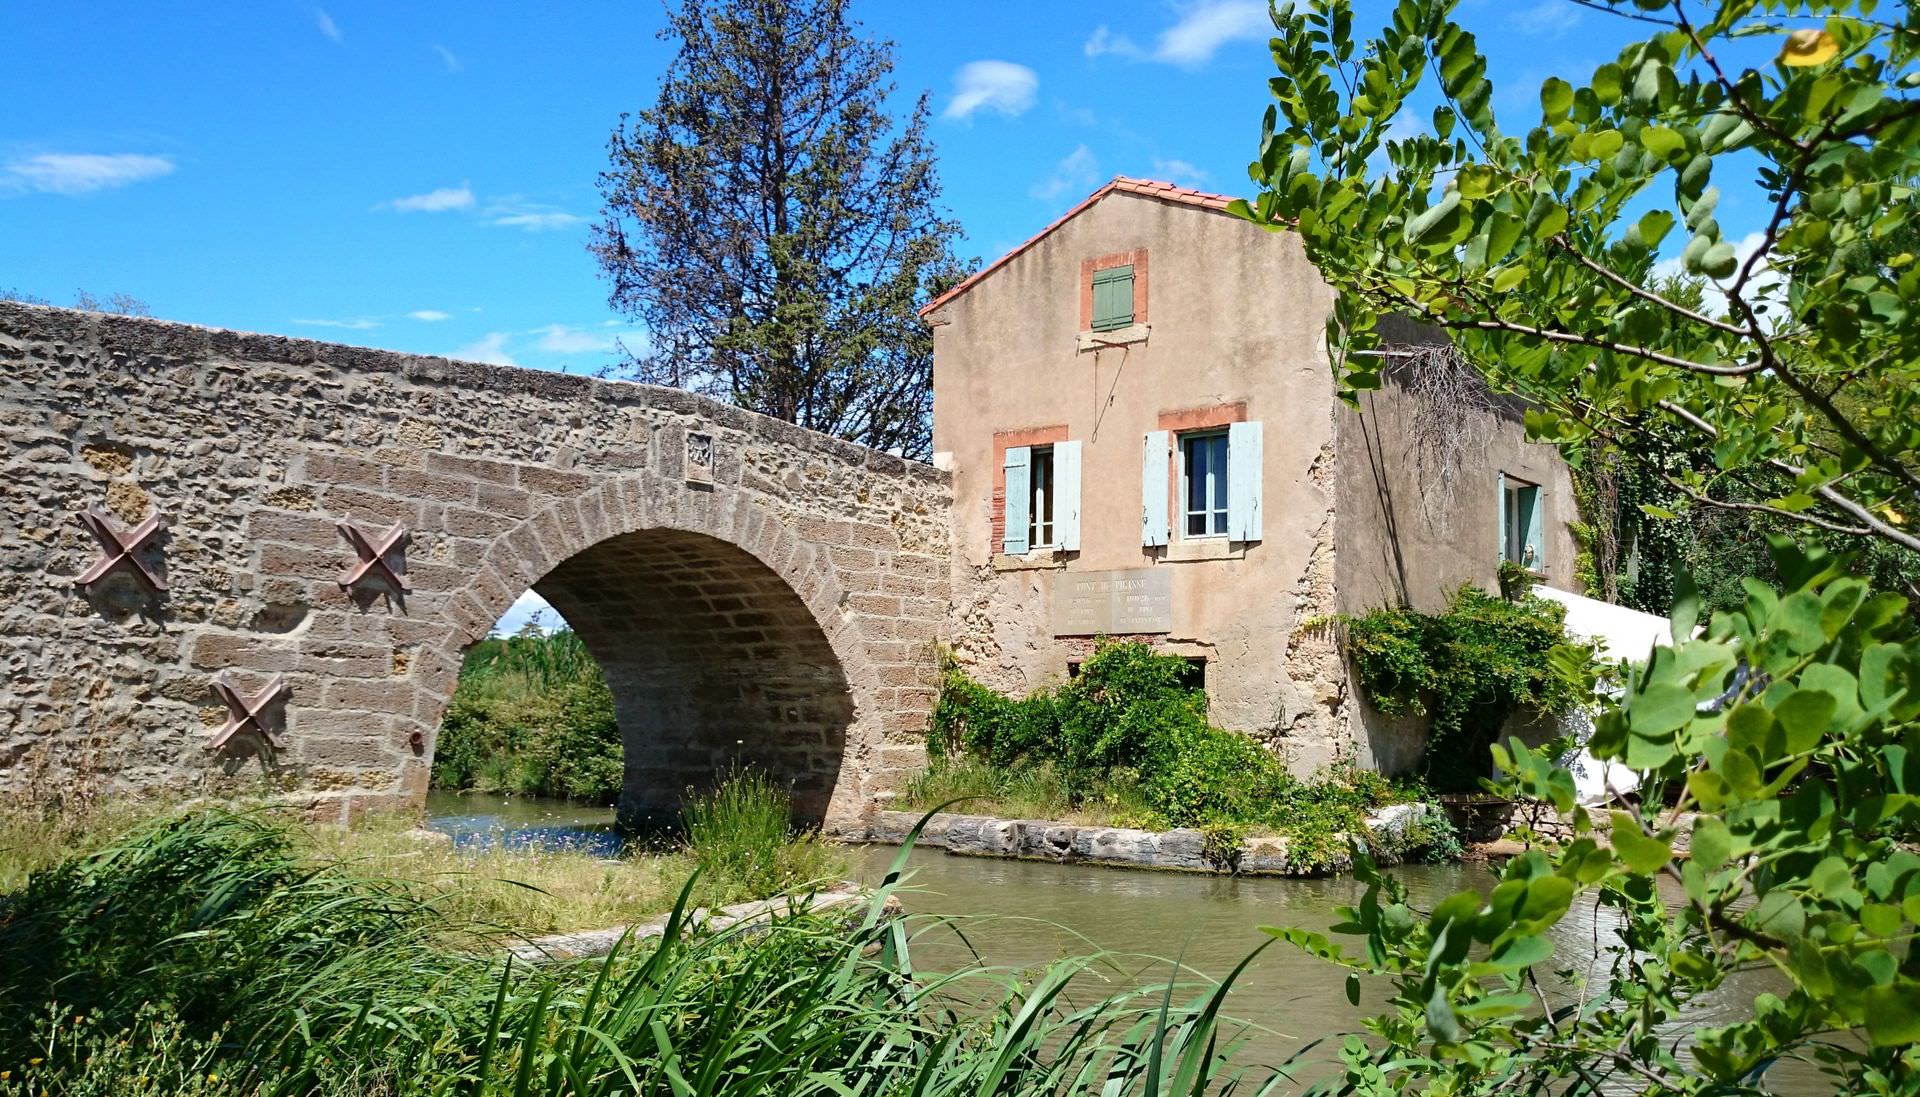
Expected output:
(447, 57)
(430, 315)
(1078, 170)
(561, 339)
(529, 607)
(358, 323)
(490, 348)
(534, 220)
(999, 86)
(1205, 27)
(434, 201)
(1547, 19)
(80, 173)
(1763, 286)
(327, 27)
(1104, 41)
(1178, 171)
(1199, 33)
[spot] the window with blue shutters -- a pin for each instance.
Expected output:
(1042, 509)
(1113, 298)
(1521, 539)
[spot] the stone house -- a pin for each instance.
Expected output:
(1141, 422)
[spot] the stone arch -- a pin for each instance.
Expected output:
(724, 636)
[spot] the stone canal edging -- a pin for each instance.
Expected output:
(1180, 850)
(599, 942)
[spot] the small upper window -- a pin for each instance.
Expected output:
(1203, 483)
(1113, 298)
(1520, 524)
(1040, 527)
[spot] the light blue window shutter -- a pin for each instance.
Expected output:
(1243, 481)
(1501, 556)
(1019, 496)
(1066, 496)
(1153, 489)
(1531, 505)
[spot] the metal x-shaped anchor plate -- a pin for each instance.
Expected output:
(373, 562)
(121, 549)
(249, 714)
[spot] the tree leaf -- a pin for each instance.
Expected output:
(1807, 47)
(1661, 707)
(1638, 852)
(1804, 716)
(1712, 843)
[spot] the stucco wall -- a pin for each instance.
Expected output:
(1353, 518)
(1412, 530)
(1235, 318)
(783, 608)
(1415, 525)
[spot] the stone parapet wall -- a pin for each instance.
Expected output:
(803, 580)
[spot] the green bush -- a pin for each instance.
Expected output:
(1469, 670)
(532, 716)
(1129, 740)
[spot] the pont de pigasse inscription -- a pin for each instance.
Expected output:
(1113, 603)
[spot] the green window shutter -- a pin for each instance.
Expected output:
(1112, 298)
(1019, 468)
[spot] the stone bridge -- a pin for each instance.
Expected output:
(756, 593)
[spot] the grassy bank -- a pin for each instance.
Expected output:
(738, 839)
(207, 953)
(1127, 743)
(531, 716)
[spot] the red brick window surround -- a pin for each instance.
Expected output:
(1002, 442)
(1137, 258)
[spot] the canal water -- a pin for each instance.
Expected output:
(1023, 915)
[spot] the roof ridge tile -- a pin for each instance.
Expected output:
(1150, 188)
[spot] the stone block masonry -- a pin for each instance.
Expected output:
(781, 608)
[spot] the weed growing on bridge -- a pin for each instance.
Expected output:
(203, 954)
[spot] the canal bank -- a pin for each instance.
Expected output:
(1022, 915)
(1390, 832)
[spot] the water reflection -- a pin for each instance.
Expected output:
(485, 821)
(1026, 915)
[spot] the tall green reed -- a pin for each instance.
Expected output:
(320, 983)
(741, 836)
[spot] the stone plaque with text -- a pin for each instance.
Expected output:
(1113, 603)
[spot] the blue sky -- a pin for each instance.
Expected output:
(422, 176)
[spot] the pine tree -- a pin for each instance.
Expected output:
(773, 226)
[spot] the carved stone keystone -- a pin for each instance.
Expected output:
(255, 714)
(699, 458)
(121, 550)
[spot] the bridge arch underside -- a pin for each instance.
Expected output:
(714, 662)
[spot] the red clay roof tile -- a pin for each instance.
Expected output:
(1151, 188)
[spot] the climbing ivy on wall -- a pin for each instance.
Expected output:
(1468, 670)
